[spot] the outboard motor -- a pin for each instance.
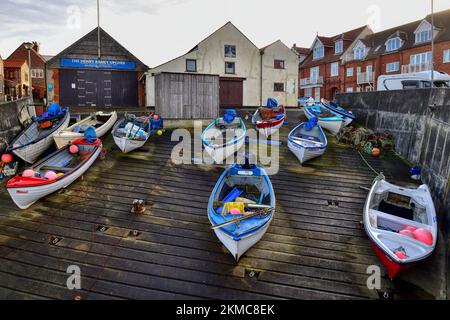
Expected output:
(272, 103)
(90, 136)
(311, 123)
(249, 161)
(229, 116)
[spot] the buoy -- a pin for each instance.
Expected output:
(156, 117)
(74, 149)
(376, 152)
(51, 175)
(424, 236)
(7, 158)
(400, 255)
(410, 228)
(407, 233)
(28, 173)
(159, 132)
(60, 174)
(235, 211)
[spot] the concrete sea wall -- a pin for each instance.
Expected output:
(420, 121)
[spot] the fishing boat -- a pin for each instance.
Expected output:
(38, 136)
(132, 132)
(270, 119)
(241, 207)
(224, 136)
(102, 122)
(307, 141)
(401, 224)
(334, 107)
(328, 120)
(56, 171)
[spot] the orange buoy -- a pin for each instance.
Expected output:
(7, 158)
(376, 152)
(74, 149)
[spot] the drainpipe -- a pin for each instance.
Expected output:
(261, 78)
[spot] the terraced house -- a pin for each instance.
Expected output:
(321, 75)
(403, 49)
(247, 74)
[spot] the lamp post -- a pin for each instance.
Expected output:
(432, 43)
(29, 46)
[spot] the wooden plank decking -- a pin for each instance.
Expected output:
(311, 251)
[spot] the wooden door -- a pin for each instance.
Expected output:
(231, 92)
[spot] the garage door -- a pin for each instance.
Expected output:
(231, 92)
(91, 88)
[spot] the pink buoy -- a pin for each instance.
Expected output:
(424, 236)
(7, 158)
(51, 175)
(28, 173)
(156, 117)
(400, 255)
(235, 211)
(74, 149)
(407, 233)
(409, 228)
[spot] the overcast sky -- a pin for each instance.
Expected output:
(159, 30)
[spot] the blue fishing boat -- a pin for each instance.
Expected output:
(241, 207)
(327, 119)
(334, 107)
(307, 141)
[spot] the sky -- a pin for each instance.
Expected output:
(158, 30)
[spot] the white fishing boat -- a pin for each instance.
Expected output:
(132, 132)
(224, 136)
(328, 120)
(307, 141)
(250, 188)
(38, 136)
(100, 121)
(401, 224)
(54, 172)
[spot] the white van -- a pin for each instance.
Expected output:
(415, 80)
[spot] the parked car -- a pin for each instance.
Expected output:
(415, 80)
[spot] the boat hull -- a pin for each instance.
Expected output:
(393, 268)
(63, 138)
(305, 154)
(269, 131)
(128, 145)
(32, 152)
(333, 126)
(219, 155)
(239, 247)
(27, 196)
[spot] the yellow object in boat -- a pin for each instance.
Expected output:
(233, 205)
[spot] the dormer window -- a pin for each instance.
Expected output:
(393, 44)
(424, 32)
(338, 47)
(359, 53)
(319, 52)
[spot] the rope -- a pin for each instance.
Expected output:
(368, 165)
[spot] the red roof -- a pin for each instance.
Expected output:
(13, 63)
(301, 50)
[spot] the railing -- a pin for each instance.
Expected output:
(306, 82)
(410, 68)
(365, 77)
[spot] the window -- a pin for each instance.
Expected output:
(393, 67)
(230, 68)
(278, 64)
(393, 44)
(318, 53)
(421, 58)
(314, 73)
(191, 65)
(334, 69)
(278, 87)
(349, 90)
(338, 46)
(423, 36)
(37, 73)
(359, 53)
(317, 96)
(349, 72)
(308, 92)
(230, 51)
(358, 70)
(447, 56)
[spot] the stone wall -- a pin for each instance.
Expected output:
(420, 122)
(12, 114)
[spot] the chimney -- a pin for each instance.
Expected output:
(36, 46)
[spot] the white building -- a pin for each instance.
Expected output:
(231, 55)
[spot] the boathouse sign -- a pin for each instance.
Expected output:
(97, 64)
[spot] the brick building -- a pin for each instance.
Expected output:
(17, 80)
(403, 49)
(2, 82)
(301, 52)
(37, 67)
(321, 74)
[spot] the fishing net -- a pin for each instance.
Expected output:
(366, 139)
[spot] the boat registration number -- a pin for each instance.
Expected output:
(245, 173)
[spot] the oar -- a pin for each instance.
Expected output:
(259, 213)
(247, 205)
(306, 140)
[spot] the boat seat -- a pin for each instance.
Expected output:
(57, 168)
(307, 137)
(397, 211)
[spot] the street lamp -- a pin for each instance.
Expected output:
(29, 46)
